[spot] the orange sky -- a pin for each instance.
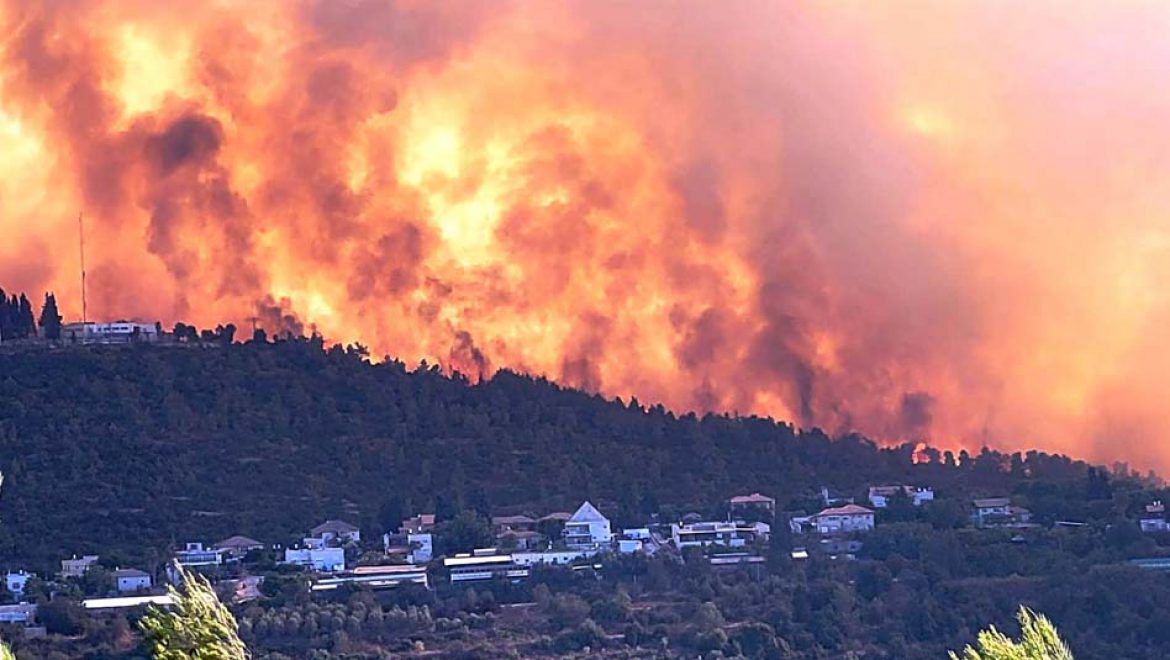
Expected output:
(941, 221)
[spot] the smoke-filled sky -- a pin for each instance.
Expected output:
(943, 221)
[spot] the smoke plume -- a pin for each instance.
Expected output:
(945, 222)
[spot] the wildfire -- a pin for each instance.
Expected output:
(947, 229)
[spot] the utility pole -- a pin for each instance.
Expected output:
(81, 245)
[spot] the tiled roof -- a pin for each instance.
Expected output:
(238, 541)
(847, 510)
(754, 498)
(335, 526)
(588, 513)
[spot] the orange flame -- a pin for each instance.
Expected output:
(949, 225)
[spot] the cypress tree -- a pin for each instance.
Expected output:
(50, 318)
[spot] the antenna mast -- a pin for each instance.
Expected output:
(81, 244)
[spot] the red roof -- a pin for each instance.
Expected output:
(754, 498)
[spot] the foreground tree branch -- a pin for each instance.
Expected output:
(1039, 641)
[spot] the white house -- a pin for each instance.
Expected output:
(76, 567)
(120, 332)
(194, 554)
(422, 548)
(325, 560)
(129, 580)
(991, 511)
(730, 534)
(15, 582)
(879, 496)
(842, 519)
(587, 529)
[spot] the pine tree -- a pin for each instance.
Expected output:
(25, 320)
(50, 318)
(5, 318)
(1038, 641)
(198, 627)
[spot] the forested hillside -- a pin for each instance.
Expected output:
(129, 451)
(139, 448)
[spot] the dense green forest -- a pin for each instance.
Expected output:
(129, 451)
(136, 449)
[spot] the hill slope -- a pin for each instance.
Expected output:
(137, 449)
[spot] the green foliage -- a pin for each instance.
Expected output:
(198, 627)
(1038, 641)
(465, 532)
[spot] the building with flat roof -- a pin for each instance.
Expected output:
(730, 534)
(375, 577)
(472, 568)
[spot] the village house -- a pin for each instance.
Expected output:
(76, 567)
(755, 501)
(999, 512)
(236, 547)
(336, 532)
(422, 548)
(16, 582)
(880, 496)
(504, 524)
(130, 580)
(321, 559)
(195, 555)
(518, 531)
(1154, 519)
(843, 519)
(423, 522)
(730, 534)
(987, 509)
(555, 516)
(587, 529)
